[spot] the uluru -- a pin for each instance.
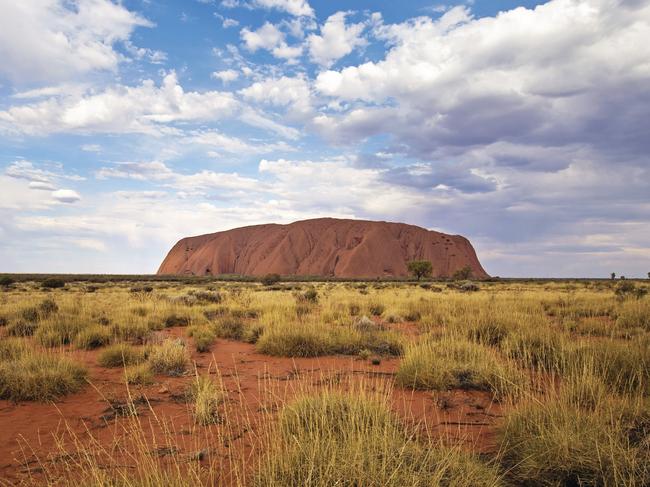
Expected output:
(327, 247)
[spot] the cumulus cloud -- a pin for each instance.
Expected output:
(546, 76)
(226, 76)
(66, 196)
(272, 39)
(293, 93)
(49, 40)
(293, 7)
(145, 109)
(336, 40)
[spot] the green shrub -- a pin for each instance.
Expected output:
(121, 355)
(39, 377)
(53, 283)
(6, 281)
(176, 320)
(270, 279)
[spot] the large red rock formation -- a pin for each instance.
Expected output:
(321, 247)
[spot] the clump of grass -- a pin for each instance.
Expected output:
(135, 332)
(168, 358)
(535, 348)
(634, 314)
(140, 374)
(176, 320)
(316, 339)
(203, 337)
(58, 333)
(33, 376)
(353, 439)
(207, 396)
(22, 328)
(12, 348)
(376, 309)
(622, 366)
(458, 364)
(121, 355)
(230, 328)
(298, 341)
(559, 441)
(253, 333)
(92, 337)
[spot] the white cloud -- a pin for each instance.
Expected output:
(270, 38)
(227, 23)
(120, 109)
(226, 76)
(292, 7)
(539, 76)
(47, 40)
(40, 185)
(66, 196)
(143, 171)
(294, 93)
(336, 40)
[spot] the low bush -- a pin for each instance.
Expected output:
(6, 281)
(270, 279)
(53, 283)
(176, 320)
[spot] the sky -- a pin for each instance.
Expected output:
(524, 126)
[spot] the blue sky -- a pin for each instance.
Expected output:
(125, 126)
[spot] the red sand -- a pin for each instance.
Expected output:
(321, 247)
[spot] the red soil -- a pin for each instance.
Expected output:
(322, 247)
(256, 386)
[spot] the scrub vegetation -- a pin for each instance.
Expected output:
(329, 383)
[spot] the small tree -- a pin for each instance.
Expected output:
(270, 279)
(613, 275)
(420, 268)
(648, 275)
(463, 274)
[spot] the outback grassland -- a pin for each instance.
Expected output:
(184, 383)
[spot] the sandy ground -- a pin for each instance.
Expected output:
(256, 385)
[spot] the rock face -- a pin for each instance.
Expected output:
(321, 247)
